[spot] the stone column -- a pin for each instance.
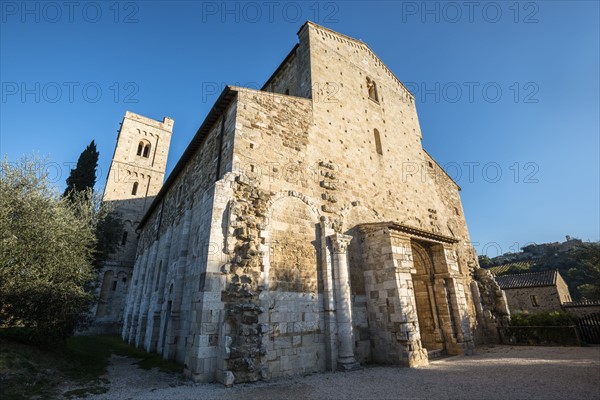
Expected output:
(328, 295)
(345, 361)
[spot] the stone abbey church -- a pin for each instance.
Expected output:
(303, 229)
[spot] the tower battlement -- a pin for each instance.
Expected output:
(166, 124)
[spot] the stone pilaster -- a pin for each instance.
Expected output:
(391, 300)
(412, 353)
(128, 313)
(445, 257)
(142, 301)
(137, 294)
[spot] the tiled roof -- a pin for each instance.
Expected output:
(530, 279)
(582, 303)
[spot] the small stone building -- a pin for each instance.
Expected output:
(534, 292)
(303, 229)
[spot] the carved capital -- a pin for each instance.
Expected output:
(340, 243)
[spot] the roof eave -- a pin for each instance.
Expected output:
(215, 112)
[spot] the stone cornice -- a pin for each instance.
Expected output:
(407, 230)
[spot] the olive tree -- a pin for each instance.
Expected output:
(46, 252)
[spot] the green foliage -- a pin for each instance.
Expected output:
(543, 328)
(27, 371)
(485, 262)
(83, 392)
(83, 176)
(97, 348)
(104, 221)
(580, 268)
(589, 291)
(587, 276)
(547, 318)
(24, 371)
(46, 250)
(108, 230)
(107, 223)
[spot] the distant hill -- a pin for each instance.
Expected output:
(577, 262)
(512, 268)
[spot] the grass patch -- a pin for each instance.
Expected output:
(28, 372)
(86, 348)
(85, 391)
(150, 360)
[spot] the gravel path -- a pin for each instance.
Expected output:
(495, 372)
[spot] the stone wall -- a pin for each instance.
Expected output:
(563, 289)
(491, 307)
(135, 176)
(254, 261)
(520, 299)
(113, 290)
(293, 77)
(538, 298)
(168, 299)
(273, 321)
(145, 171)
(286, 79)
(581, 308)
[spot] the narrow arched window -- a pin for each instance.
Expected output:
(377, 142)
(124, 238)
(372, 87)
(143, 149)
(134, 188)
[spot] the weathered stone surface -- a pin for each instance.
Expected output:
(135, 177)
(305, 229)
(491, 305)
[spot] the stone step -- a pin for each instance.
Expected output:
(432, 354)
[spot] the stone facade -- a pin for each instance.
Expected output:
(534, 300)
(136, 175)
(535, 292)
(305, 229)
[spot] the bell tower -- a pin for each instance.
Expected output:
(136, 173)
(135, 177)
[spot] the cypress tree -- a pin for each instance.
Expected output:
(83, 176)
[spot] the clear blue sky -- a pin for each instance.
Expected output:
(502, 88)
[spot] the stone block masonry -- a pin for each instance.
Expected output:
(135, 177)
(289, 238)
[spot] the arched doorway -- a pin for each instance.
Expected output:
(432, 336)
